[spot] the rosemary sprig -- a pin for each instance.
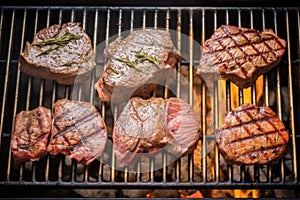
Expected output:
(69, 63)
(47, 51)
(129, 63)
(65, 39)
(145, 56)
(115, 71)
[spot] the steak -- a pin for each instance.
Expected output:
(78, 130)
(240, 54)
(252, 135)
(63, 53)
(148, 126)
(30, 135)
(135, 61)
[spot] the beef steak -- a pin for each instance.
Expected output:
(63, 53)
(78, 130)
(147, 126)
(132, 61)
(31, 133)
(240, 54)
(252, 135)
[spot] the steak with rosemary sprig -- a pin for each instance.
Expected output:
(78, 131)
(135, 62)
(252, 135)
(63, 53)
(153, 125)
(240, 54)
(31, 133)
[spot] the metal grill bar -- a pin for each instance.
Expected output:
(7, 73)
(291, 99)
(3, 100)
(184, 20)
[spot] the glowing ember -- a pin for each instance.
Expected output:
(150, 195)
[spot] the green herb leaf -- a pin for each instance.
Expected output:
(65, 39)
(47, 51)
(129, 63)
(115, 71)
(69, 63)
(145, 56)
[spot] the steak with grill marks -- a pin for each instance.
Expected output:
(135, 62)
(252, 135)
(63, 53)
(30, 135)
(78, 130)
(240, 54)
(147, 126)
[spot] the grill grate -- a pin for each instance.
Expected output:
(21, 92)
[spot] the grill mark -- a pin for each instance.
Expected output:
(77, 124)
(243, 45)
(237, 46)
(258, 135)
(248, 109)
(271, 145)
(252, 120)
(264, 149)
(279, 42)
(27, 137)
(41, 134)
(279, 131)
(262, 41)
(83, 140)
(254, 55)
(243, 33)
(67, 111)
(274, 52)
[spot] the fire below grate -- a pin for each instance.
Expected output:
(205, 168)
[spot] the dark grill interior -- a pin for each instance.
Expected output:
(280, 89)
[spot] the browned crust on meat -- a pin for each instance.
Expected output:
(66, 76)
(78, 130)
(167, 58)
(42, 71)
(175, 127)
(31, 132)
(252, 135)
(240, 54)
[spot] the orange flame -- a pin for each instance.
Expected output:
(247, 98)
(246, 193)
(197, 194)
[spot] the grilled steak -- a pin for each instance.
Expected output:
(252, 135)
(78, 130)
(147, 126)
(31, 133)
(60, 52)
(240, 54)
(133, 61)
